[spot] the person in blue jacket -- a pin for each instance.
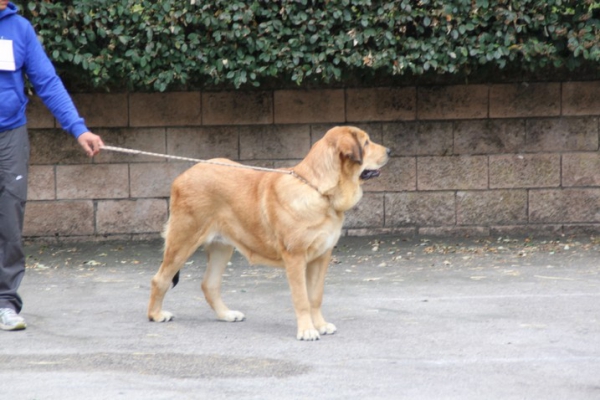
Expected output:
(22, 54)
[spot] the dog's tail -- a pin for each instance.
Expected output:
(175, 280)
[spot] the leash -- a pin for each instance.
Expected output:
(197, 160)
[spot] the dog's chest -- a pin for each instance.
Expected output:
(323, 240)
(331, 239)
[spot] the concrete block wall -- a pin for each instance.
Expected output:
(477, 160)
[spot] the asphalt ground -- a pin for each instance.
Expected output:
(417, 319)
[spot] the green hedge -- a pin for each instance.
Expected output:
(167, 44)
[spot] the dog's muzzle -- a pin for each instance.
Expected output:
(369, 173)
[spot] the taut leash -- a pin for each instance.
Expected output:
(197, 160)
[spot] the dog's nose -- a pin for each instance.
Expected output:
(388, 151)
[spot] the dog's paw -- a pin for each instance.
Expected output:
(232, 316)
(308, 335)
(164, 316)
(327, 329)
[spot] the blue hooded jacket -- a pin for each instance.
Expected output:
(30, 58)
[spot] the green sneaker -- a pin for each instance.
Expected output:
(10, 320)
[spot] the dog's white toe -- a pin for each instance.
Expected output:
(308, 335)
(164, 316)
(232, 316)
(327, 329)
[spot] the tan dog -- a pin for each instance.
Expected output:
(272, 219)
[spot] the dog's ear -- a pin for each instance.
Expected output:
(350, 148)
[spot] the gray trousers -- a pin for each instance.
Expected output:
(14, 162)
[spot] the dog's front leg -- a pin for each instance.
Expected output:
(295, 268)
(315, 275)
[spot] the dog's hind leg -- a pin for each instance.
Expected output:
(218, 254)
(180, 244)
(315, 280)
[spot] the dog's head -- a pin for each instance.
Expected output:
(359, 155)
(342, 160)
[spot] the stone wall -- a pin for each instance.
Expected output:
(478, 160)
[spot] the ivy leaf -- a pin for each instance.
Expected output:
(149, 45)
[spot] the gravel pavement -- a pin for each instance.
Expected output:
(427, 319)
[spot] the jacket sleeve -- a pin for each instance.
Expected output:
(49, 87)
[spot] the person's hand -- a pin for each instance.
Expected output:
(91, 143)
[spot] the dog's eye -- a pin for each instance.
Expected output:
(366, 143)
